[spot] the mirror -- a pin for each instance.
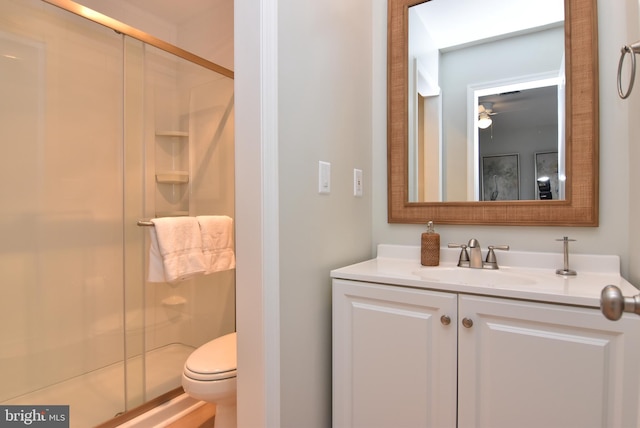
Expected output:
(559, 179)
(494, 66)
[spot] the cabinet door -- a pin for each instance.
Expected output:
(394, 360)
(524, 364)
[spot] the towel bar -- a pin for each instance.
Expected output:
(632, 50)
(145, 223)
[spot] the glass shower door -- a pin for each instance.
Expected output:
(61, 223)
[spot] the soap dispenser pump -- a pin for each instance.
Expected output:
(430, 247)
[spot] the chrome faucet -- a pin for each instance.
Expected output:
(475, 254)
(473, 257)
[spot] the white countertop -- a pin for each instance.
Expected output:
(522, 275)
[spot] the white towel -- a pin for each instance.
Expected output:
(177, 242)
(156, 268)
(217, 242)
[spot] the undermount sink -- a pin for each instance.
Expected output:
(469, 276)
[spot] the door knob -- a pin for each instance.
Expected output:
(613, 303)
(467, 322)
(445, 320)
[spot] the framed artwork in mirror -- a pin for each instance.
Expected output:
(501, 177)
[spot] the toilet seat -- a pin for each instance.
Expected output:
(209, 376)
(215, 360)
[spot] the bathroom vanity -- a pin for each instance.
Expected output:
(445, 346)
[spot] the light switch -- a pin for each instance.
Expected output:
(324, 177)
(357, 182)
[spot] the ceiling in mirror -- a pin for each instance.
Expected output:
(455, 23)
(519, 108)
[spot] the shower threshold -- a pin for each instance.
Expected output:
(97, 396)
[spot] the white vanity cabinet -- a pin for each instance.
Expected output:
(529, 364)
(499, 362)
(394, 361)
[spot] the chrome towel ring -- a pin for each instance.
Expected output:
(632, 50)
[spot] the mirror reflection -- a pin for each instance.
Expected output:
(486, 100)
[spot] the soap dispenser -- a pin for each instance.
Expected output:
(430, 247)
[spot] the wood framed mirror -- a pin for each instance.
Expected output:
(580, 204)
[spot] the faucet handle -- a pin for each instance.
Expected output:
(464, 255)
(491, 262)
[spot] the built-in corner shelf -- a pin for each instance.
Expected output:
(172, 173)
(172, 134)
(172, 177)
(173, 301)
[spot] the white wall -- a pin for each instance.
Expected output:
(210, 34)
(135, 17)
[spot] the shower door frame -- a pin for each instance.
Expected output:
(127, 30)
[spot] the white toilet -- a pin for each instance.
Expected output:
(210, 375)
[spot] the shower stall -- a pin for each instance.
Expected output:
(100, 130)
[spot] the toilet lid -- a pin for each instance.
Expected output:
(213, 360)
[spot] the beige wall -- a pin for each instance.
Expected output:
(324, 68)
(304, 99)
